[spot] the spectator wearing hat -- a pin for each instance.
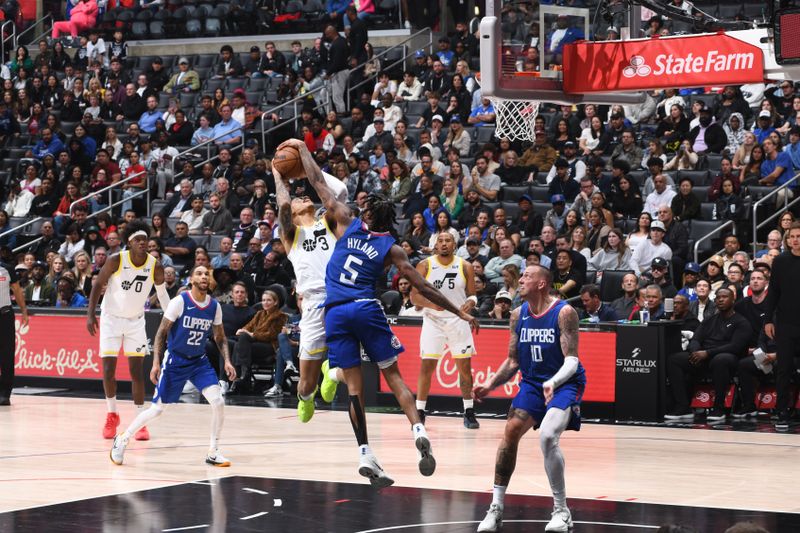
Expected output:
(627, 150)
(381, 136)
(649, 249)
(763, 126)
(457, 137)
(612, 33)
(502, 306)
(691, 275)
(659, 275)
(420, 68)
(527, 220)
(613, 134)
(39, 291)
(156, 75)
(555, 215)
(563, 184)
(194, 216)
(410, 89)
(183, 81)
(707, 136)
(577, 168)
(540, 156)
(715, 272)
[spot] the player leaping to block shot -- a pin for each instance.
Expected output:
(354, 317)
(310, 241)
(442, 329)
(544, 347)
(188, 321)
(129, 275)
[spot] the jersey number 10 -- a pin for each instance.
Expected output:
(348, 277)
(536, 353)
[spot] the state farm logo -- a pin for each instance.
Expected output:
(637, 68)
(675, 64)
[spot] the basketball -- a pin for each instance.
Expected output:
(287, 162)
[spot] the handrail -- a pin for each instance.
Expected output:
(108, 188)
(293, 102)
(207, 143)
(35, 23)
(708, 236)
(16, 229)
(786, 205)
(12, 37)
(381, 54)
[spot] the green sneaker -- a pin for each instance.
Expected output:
(329, 386)
(305, 408)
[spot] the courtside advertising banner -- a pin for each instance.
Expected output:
(597, 352)
(60, 347)
(658, 63)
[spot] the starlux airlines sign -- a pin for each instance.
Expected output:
(658, 63)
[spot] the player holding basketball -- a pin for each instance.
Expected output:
(310, 241)
(454, 278)
(129, 275)
(354, 318)
(544, 347)
(189, 320)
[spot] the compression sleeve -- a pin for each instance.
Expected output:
(162, 295)
(566, 371)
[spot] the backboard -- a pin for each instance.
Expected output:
(521, 46)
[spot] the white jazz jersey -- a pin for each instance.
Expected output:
(129, 287)
(451, 281)
(311, 250)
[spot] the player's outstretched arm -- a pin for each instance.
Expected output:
(222, 344)
(509, 367)
(568, 324)
(400, 260)
(284, 202)
(111, 266)
(159, 343)
(335, 210)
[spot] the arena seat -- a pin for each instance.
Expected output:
(703, 396)
(611, 284)
(391, 301)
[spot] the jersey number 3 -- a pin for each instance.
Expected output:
(348, 277)
(536, 353)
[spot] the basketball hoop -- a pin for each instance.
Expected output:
(515, 119)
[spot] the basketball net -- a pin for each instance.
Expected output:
(515, 119)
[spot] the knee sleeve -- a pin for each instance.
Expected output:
(213, 395)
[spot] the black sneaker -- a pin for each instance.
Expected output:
(782, 424)
(746, 411)
(680, 414)
(470, 422)
(421, 414)
(716, 415)
(4, 400)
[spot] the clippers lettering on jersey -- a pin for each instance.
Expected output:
(192, 322)
(355, 244)
(537, 335)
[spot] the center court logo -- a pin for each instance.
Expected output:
(638, 67)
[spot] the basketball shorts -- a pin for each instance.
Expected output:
(568, 396)
(128, 333)
(177, 370)
(313, 342)
(440, 332)
(357, 324)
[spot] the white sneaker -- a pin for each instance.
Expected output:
(369, 468)
(427, 464)
(275, 392)
(407, 25)
(215, 458)
(224, 386)
(290, 368)
(493, 520)
(117, 453)
(189, 388)
(561, 521)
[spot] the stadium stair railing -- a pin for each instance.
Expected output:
(776, 213)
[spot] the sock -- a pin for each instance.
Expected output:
(142, 418)
(213, 395)
(421, 404)
(468, 404)
(364, 449)
(498, 494)
(307, 396)
(333, 373)
(417, 430)
(112, 404)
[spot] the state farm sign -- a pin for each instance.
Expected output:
(658, 63)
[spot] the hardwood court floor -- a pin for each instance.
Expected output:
(51, 451)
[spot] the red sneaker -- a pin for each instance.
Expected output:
(112, 422)
(142, 434)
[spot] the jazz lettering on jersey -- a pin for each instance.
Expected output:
(449, 279)
(544, 335)
(356, 244)
(136, 283)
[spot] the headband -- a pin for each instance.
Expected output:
(139, 233)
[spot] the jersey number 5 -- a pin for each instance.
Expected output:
(352, 274)
(536, 353)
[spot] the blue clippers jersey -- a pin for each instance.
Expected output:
(188, 335)
(539, 348)
(356, 264)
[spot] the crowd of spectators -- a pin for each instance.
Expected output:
(599, 189)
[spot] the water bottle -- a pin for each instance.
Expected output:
(669, 308)
(714, 212)
(644, 316)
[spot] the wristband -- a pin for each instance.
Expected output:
(473, 299)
